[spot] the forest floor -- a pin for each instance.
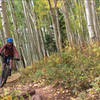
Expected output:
(49, 92)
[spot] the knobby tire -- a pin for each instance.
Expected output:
(5, 75)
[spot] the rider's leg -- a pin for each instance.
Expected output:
(10, 67)
(4, 61)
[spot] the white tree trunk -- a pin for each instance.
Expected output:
(75, 28)
(67, 22)
(38, 34)
(96, 28)
(89, 19)
(58, 26)
(2, 37)
(5, 24)
(42, 42)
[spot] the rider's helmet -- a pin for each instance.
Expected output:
(9, 40)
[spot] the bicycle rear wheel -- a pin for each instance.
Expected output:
(4, 76)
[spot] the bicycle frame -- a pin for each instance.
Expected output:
(4, 75)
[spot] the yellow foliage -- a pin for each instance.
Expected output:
(58, 60)
(61, 89)
(59, 4)
(27, 70)
(7, 98)
(98, 54)
(43, 70)
(69, 49)
(75, 3)
(45, 58)
(43, 6)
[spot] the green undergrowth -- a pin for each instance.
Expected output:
(79, 69)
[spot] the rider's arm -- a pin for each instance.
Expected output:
(3, 47)
(15, 51)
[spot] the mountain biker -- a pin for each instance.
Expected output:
(9, 51)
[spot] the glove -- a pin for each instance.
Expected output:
(18, 59)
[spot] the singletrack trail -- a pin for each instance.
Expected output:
(45, 93)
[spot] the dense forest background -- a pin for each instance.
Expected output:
(59, 39)
(40, 28)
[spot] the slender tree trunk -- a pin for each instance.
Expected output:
(79, 16)
(48, 27)
(42, 43)
(23, 47)
(67, 22)
(47, 51)
(58, 26)
(89, 19)
(75, 28)
(2, 37)
(84, 12)
(5, 24)
(82, 3)
(54, 25)
(29, 52)
(37, 34)
(96, 28)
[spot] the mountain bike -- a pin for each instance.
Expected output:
(5, 73)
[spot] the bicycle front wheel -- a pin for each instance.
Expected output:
(4, 76)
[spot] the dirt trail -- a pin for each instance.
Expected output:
(46, 93)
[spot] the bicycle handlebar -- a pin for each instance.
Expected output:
(9, 57)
